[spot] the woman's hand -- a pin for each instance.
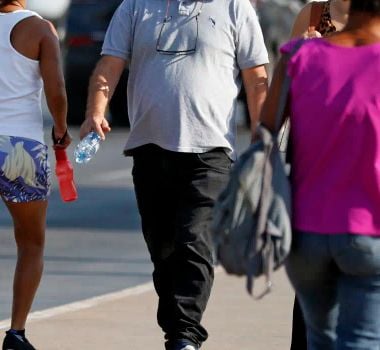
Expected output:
(61, 138)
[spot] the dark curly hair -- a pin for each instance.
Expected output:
(370, 6)
(5, 2)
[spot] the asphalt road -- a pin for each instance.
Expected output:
(94, 245)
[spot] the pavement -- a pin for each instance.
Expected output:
(126, 320)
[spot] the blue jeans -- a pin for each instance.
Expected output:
(337, 281)
(175, 194)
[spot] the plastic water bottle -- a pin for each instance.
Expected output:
(65, 176)
(87, 148)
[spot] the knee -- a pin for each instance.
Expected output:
(31, 251)
(30, 243)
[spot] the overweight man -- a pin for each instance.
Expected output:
(187, 61)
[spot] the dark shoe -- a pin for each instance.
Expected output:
(184, 344)
(16, 342)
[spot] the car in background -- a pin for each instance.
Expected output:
(86, 25)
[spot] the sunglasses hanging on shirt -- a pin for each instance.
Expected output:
(183, 10)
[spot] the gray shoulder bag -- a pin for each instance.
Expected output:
(251, 224)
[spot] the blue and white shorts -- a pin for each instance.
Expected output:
(24, 170)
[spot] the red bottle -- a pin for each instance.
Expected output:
(65, 175)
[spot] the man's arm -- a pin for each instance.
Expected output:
(255, 82)
(103, 82)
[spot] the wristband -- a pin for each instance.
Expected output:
(58, 141)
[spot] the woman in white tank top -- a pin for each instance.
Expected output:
(29, 61)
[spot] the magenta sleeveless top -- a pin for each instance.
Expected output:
(335, 132)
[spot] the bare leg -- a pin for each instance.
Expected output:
(29, 221)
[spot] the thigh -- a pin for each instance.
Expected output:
(314, 275)
(202, 178)
(24, 170)
(155, 201)
(359, 292)
(29, 222)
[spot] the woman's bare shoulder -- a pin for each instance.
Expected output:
(29, 35)
(40, 27)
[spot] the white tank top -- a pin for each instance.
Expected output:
(20, 85)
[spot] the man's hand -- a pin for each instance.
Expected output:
(102, 86)
(99, 125)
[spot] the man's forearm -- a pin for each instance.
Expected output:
(255, 100)
(255, 81)
(103, 83)
(99, 94)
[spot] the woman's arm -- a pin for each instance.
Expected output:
(269, 111)
(54, 84)
(302, 24)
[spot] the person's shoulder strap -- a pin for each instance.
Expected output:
(316, 14)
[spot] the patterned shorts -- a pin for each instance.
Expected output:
(24, 170)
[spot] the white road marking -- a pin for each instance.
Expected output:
(83, 304)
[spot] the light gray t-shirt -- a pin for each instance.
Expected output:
(185, 103)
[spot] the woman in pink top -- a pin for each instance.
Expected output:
(334, 109)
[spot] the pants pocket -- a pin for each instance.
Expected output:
(216, 159)
(359, 255)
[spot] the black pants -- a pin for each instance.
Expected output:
(175, 194)
(299, 328)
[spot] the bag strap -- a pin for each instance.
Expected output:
(316, 14)
(268, 249)
(262, 215)
(285, 90)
